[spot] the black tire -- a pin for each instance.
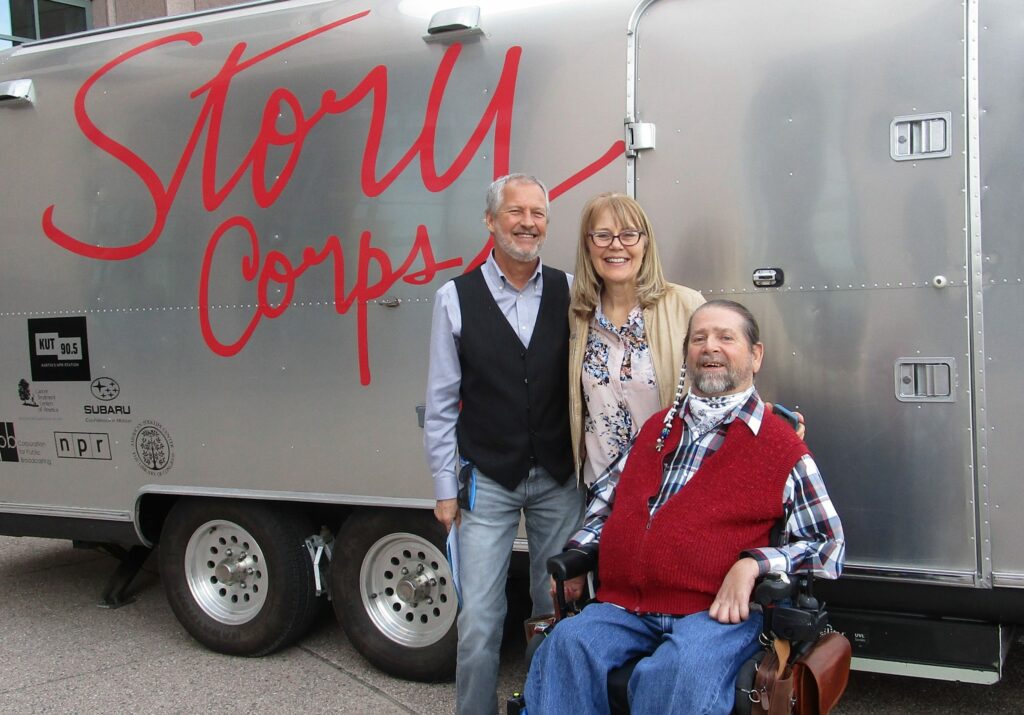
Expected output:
(401, 621)
(237, 574)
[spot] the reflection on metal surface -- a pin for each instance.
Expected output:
(920, 670)
(1008, 580)
(66, 512)
(909, 575)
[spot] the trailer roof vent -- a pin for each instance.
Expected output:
(454, 23)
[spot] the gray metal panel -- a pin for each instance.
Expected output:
(775, 153)
(1002, 216)
(286, 414)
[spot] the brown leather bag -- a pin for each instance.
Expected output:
(811, 686)
(773, 691)
(820, 675)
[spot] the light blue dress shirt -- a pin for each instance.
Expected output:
(444, 375)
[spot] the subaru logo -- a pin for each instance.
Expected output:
(105, 388)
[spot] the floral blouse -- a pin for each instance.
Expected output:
(619, 388)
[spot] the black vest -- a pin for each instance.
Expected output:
(515, 400)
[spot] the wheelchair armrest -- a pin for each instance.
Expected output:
(791, 611)
(564, 566)
(570, 564)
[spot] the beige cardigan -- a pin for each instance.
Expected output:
(665, 323)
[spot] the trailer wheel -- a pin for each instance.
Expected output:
(237, 574)
(393, 593)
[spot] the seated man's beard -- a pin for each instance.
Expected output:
(716, 384)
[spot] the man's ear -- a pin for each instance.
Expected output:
(488, 223)
(758, 351)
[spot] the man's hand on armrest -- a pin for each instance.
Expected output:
(573, 588)
(732, 603)
(573, 565)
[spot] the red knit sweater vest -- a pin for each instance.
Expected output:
(676, 561)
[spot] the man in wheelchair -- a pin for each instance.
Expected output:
(683, 520)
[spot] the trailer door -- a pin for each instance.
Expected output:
(778, 146)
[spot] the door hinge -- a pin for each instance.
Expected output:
(639, 137)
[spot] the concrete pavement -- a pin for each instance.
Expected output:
(60, 653)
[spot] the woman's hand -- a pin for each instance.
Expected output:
(801, 430)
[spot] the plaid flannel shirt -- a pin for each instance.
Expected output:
(814, 534)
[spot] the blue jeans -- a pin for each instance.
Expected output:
(690, 665)
(486, 535)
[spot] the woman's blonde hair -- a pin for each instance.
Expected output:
(586, 286)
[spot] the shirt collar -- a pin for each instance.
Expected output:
(491, 266)
(634, 321)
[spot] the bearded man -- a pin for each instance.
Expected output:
(682, 523)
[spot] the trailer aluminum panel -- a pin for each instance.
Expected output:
(776, 154)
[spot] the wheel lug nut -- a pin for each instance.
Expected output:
(419, 569)
(250, 571)
(405, 571)
(227, 552)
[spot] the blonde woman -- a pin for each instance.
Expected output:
(627, 326)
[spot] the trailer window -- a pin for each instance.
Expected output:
(27, 20)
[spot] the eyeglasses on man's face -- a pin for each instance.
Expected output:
(628, 237)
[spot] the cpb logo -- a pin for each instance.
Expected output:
(8, 444)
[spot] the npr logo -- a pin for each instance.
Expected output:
(8, 444)
(82, 445)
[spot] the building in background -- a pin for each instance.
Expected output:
(27, 20)
(119, 12)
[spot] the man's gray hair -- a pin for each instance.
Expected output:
(495, 193)
(750, 327)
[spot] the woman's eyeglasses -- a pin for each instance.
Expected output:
(603, 239)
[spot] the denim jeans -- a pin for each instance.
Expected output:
(690, 665)
(486, 534)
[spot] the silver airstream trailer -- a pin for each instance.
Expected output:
(222, 232)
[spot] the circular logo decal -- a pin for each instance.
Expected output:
(105, 388)
(152, 447)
